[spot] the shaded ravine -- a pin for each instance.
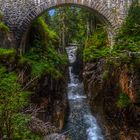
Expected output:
(81, 124)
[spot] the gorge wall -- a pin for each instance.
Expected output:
(105, 82)
(51, 100)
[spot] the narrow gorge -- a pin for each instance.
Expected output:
(81, 124)
(72, 74)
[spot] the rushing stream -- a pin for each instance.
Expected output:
(81, 124)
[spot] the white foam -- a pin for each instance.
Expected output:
(75, 97)
(93, 131)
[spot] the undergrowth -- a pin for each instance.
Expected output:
(4, 51)
(96, 46)
(44, 53)
(50, 63)
(13, 99)
(128, 37)
(123, 100)
(3, 27)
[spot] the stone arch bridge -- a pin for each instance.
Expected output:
(19, 14)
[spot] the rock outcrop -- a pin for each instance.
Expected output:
(7, 40)
(104, 83)
(51, 98)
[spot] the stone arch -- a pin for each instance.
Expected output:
(19, 14)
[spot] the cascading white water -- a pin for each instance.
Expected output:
(81, 124)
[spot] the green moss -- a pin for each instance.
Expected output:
(22, 61)
(4, 51)
(96, 46)
(7, 54)
(21, 132)
(42, 67)
(123, 100)
(105, 75)
(4, 28)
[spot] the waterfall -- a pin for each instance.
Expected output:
(81, 124)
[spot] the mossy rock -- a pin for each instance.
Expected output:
(7, 54)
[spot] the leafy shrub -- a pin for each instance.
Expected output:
(43, 36)
(98, 39)
(128, 37)
(96, 45)
(43, 53)
(4, 51)
(92, 53)
(49, 62)
(4, 28)
(123, 100)
(105, 75)
(12, 100)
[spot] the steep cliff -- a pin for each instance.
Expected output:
(51, 99)
(114, 94)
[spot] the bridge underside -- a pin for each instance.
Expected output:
(19, 14)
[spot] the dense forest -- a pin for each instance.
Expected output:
(36, 81)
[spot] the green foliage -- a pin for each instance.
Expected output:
(22, 61)
(20, 122)
(93, 53)
(105, 75)
(4, 51)
(96, 46)
(98, 39)
(72, 24)
(7, 54)
(129, 34)
(49, 62)
(4, 28)
(127, 40)
(43, 36)
(44, 53)
(123, 100)
(13, 125)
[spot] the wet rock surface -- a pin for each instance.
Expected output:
(103, 87)
(51, 100)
